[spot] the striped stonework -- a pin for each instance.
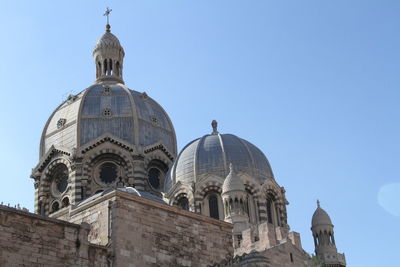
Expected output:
(201, 192)
(182, 192)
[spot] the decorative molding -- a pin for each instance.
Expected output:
(159, 146)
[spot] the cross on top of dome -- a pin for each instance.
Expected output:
(107, 14)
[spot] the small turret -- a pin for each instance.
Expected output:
(324, 239)
(108, 55)
(234, 198)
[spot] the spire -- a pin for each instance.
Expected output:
(214, 125)
(108, 56)
(318, 204)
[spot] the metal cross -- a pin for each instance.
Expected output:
(107, 13)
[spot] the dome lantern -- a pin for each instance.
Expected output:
(108, 56)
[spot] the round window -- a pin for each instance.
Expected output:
(108, 172)
(154, 177)
(60, 179)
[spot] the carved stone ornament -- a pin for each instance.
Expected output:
(61, 122)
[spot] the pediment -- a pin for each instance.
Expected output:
(53, 151)
(106, 138)
(159, 146)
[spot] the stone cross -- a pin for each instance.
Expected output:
(107, 13)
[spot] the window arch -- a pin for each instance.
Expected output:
(59, 180)
(156, 171)
(272, 209)
(251, 207)
(213, 206)
(55, 206)
(65, 202)
(183, 203)
(269, 210)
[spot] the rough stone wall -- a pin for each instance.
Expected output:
(27, 239)
(142, 232)
(146, 233)
(287, 255)
(97, 215)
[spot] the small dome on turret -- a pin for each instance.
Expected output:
(320, 217)
(108, 55)
(108, 40)
(232, 181)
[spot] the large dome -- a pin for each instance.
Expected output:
(213, 153)
(108, 108)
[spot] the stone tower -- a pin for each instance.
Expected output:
(103, 137)
(324, 239)
(234, 197)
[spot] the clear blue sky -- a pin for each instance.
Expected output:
(314, 84)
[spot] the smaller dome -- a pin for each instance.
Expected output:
(108, 40)
(320, 217)
(232, 181)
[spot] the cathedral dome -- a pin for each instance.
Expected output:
(320, 217)
(212, 154)
(109, 108)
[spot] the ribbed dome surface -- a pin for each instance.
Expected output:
(108, 109)
(232, 182)
(108, 40)
(213, 153)
(320, 217)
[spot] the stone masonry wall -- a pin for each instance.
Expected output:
(160, 235)
(27, 239)
(96, 214)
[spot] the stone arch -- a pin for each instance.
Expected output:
(55, 206)
(45, 183)
(101, 153)
(183, 191)
(156, 172)
(157, 155)
(209, 187)
(271, 189)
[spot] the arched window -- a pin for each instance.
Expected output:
(117, 69)
(272, 210)
(105, 67)
(251, 207)
(55, 206)
(269, 211)
(154, 177)
(213, 206)
(59, 177)
(156, 171)
(278, 220)
(98, 69)
(65, 202)
(183, 203)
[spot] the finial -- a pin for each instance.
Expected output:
(231, 168)
(107, 13)
(318, 203)
(214, 125)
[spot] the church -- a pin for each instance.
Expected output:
(111, 189)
